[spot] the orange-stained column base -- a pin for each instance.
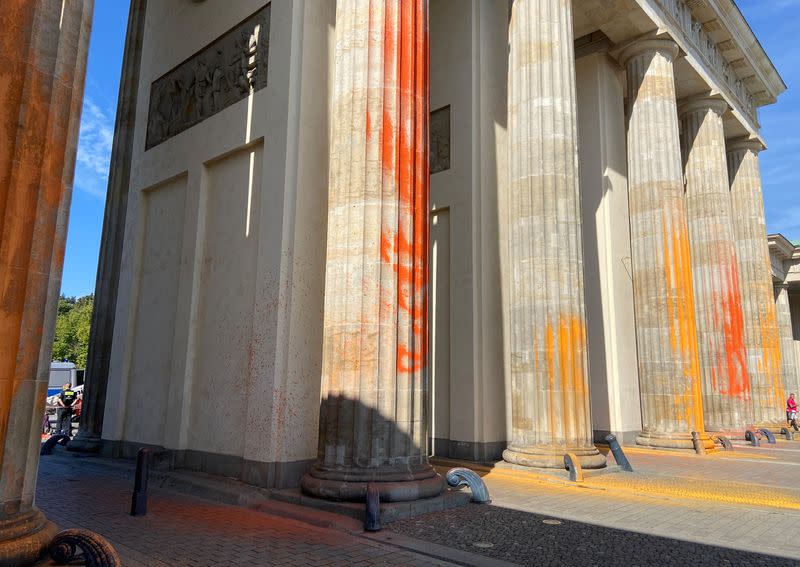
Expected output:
(373, 419)
(669, 363)
(549, 365)
(43, 48)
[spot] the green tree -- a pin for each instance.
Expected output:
(71, 340)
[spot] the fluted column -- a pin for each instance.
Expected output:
(43, 48)
(755, 273)
(669, 363)
(789, 369)
(107, 282)
(715, 273)
(549, 376)
(373, 418)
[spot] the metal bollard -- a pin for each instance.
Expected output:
(573, 465)
(725, 442)
(768, 434)
(786, 432)
(698, 444)
(751, 436)
(461, 476)
(619, 454)
(372, 516)
(144, 459)
(139, 496)
(50, 444)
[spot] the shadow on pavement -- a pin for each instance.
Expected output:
(532, 539)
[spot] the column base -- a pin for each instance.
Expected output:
(672, 440)
(553, 457)
(395, 485)
(24, 538)
(85, 443)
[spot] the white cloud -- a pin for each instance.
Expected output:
(94, 149)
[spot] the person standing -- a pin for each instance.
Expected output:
(791, 411)
(64, 403)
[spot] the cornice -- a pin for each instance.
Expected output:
(781, 246)
(735, 23)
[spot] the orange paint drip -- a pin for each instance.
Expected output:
(687, 403)
(404, 161)
(735, 347)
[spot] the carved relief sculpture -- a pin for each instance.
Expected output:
(219, 75)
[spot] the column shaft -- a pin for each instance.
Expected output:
(549, 375)
(669, 363)
(107, 282)
(43, 49)
(755, 273)
(373, 416)
(715, 272)
(789, 369)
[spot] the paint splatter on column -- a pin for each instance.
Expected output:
(549, 379)
(373, 420)
(720, 321)
(666, 333)
(761, 331)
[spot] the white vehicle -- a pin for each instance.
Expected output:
(61, 373)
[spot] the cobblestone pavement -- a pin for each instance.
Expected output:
(182, 530)
(611, 519)
(533, 539)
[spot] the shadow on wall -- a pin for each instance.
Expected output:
(362, 444)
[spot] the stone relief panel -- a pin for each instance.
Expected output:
(440, 140)
(219, 75)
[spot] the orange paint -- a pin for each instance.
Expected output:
(404, 162)
(687, 401)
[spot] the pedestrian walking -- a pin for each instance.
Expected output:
(64, 403)
(791, 411)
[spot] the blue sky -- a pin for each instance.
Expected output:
(775, 25)
(774, 22)
(94, 146)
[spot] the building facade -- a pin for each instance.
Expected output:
(344, 236)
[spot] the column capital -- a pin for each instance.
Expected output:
(665, 46)
(745, 143)
(702, 103)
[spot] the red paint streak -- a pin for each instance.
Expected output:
(735, 348)
(404, 161)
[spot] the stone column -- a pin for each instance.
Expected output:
(373, 412)
(789, 369)
(107, 282)
(755, 273)
(715, 273)
(549, 375)
(669, 363)
(43, 48)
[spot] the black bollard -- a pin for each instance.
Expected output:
(139, 496)
(787, 433)
(751, 436)
(698, 444)
(50, 444)
(372, 516)
(725, 442)
(618, 453)
(768, 434)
